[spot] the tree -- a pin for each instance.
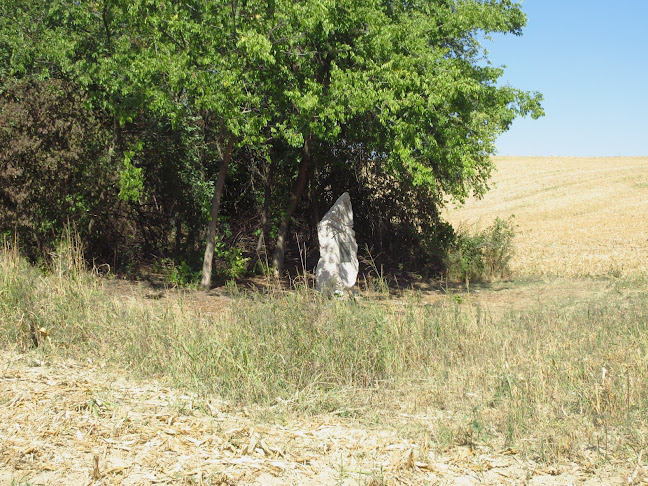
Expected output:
(52, 163)
(365, 93)
(407, 81)
(202, 58)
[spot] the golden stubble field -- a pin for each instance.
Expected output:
(575, 216)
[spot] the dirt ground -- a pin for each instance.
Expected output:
(73, 423)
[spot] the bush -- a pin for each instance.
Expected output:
(483, 255)
(54, 168)
(180, 275)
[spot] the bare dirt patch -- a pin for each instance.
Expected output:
(70, 423)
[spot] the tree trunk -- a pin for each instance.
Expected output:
(280, 247)
(213, 223)
(178, 234)
(114, 159)
(265, 215)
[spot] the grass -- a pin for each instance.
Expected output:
(554, 381)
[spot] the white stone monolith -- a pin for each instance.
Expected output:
(337, 268)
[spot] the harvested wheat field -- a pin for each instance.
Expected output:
(575, 216)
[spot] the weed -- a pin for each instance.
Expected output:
(374, 280)
(182, 275)
(20, 482)
(483, 255)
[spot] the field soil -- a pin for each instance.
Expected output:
(64, 422)
(580, 224)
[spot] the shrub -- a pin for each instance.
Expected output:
(180, 275)
(481, 255)
(54, 168)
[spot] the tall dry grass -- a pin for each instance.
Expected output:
(551, 380)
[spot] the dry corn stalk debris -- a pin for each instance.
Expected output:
(66, 423)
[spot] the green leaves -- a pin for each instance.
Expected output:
(256, 47)
(403, 85)
(131, 179)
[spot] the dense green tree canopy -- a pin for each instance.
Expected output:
(394, 101)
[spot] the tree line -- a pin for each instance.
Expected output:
(200, 128)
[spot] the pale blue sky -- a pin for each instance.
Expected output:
(589, 58)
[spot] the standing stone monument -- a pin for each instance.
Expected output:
(337, 268)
